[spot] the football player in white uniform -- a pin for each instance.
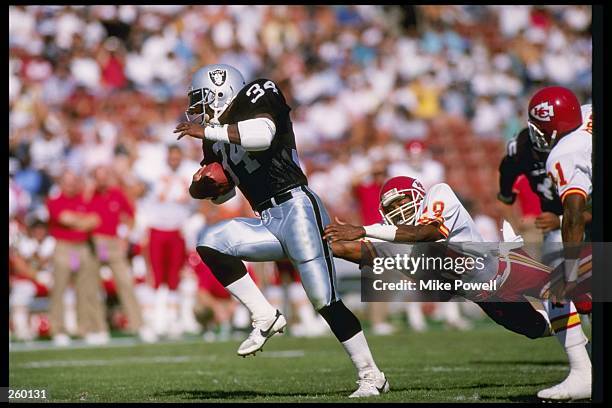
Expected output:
(558, 122)
(412, 215)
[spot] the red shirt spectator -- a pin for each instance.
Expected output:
(109, 204)
(368, 196)
(56, 206)
(112, 73)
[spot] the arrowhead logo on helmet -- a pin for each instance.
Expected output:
(553, 112)
(543, 112)
(213, 88)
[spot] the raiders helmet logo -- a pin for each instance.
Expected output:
(543, 112)
(218, 76)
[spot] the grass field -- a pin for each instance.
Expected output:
(487, 364)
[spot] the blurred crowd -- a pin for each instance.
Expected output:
(375, 91)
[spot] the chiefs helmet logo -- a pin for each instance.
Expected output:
(543, 112)
(389, 194)
(218, 76)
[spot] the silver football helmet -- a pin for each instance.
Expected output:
(214, 86)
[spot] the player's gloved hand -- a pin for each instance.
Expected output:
(344, 232)
(547, 221)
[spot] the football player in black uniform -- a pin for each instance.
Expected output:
(247, 129)
(525, 157)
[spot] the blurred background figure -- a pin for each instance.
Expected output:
(432, 91)
(366, 190)
(30, 252)
(169, 205)
(71, 222)
(113, 208)
(416, 162)
(284, 291)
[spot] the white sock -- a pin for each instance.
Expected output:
(415, 315)
(247, 292)
(449, 311)
(21, 317)
(161, 310)
(565, 323)
(359, 352)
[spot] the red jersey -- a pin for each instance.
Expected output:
(109, 205)
(56, 206)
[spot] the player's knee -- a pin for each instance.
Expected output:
(343, 323)
(212, 238)
(226, 268)
(534, 329)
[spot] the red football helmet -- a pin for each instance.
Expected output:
(400, 198)
(554, 111)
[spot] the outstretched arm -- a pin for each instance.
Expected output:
(348, 250)
(391, 233)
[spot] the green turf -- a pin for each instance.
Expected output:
(488, 364)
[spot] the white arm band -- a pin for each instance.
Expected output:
(256, 134)
(223, 198)
(216, 133)
(385, 232)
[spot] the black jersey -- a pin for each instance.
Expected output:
(259, 175)
(521, 158)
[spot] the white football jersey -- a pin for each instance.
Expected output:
(440, 205)
(569, 163)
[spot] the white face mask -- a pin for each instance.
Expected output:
(404, 214)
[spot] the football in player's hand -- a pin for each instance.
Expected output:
(210, 181)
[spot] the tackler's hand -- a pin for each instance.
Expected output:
(343, 232)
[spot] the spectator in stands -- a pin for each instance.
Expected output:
(417, 162)
(71, 223)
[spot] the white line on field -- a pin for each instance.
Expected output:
(284, 354)
(80, 344)
(116, 361)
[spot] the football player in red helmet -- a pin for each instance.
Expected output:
(413, 215)
(557, 122)
(554, 112)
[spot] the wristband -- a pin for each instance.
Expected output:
(571, 269)
(385, 232)
(216, 133)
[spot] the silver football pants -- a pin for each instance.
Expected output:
(290, 230)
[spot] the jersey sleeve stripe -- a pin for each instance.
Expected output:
(573, 190)
(443, 230)
(428, 220)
